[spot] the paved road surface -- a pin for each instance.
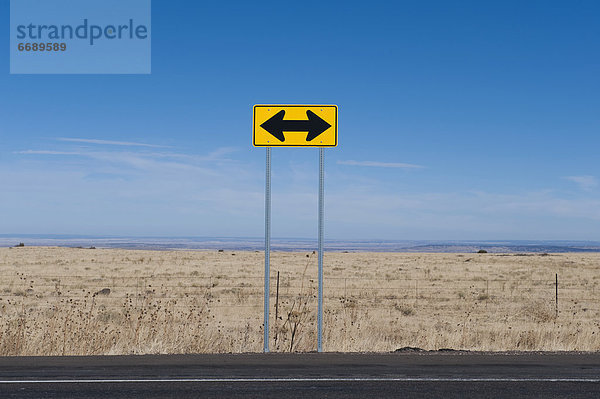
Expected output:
(312, 375)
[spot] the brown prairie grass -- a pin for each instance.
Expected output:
(67, 301)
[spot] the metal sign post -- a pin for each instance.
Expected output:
(321, 220)
(267, 247)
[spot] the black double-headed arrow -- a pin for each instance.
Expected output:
(314, 125)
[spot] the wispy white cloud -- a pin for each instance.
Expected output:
(219, 153)
(140, 160)
(48, 152)
(215, 155)
(584, 182)
(146, 162)
(109, 142)
(377, 164)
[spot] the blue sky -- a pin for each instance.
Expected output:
(457, 120)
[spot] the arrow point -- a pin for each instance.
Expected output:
(274, 125)
(317, 125)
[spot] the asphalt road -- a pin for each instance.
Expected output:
(312, 375)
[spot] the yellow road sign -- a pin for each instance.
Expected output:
(294, 126)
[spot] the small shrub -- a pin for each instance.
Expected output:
(405, 310)
(539, 311)
(110, 316)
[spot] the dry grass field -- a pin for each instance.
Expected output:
(69, 301)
